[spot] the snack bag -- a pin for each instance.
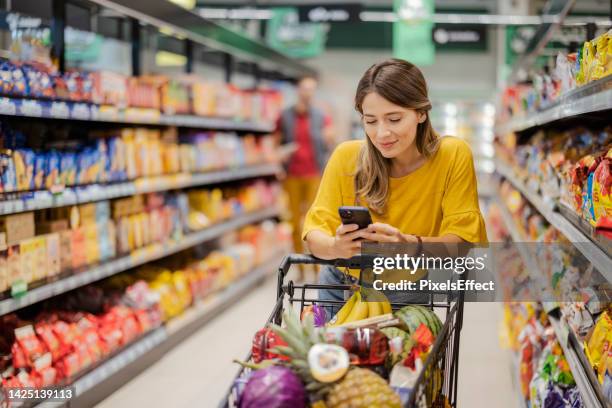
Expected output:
(599, 343)
(602, 184)
(53, 169)
(29, 344)
(40, 167)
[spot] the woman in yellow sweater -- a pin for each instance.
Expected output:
(419, 187)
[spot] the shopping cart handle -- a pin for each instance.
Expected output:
(356, 262)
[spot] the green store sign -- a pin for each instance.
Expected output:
(412, 33)
(286, 34)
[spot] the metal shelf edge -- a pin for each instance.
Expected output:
(568, 106)
(125, 189)
(77, 111)
(129, 261)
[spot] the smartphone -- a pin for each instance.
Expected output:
(355, 215)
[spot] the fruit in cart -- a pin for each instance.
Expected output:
(362, 388)
(378, 302)
(344, 312)
(273, 387)
(300, 338)
(263, 341)
(364, 303)
(413, 315)
(359, 311)
(328, 362)
(400, 344)
(318, 313)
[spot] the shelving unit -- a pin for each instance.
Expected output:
(597, 256)
(80, 195)
(581, 370)
(593, 97)
(109, 375)
(139, 257)
(33, 108)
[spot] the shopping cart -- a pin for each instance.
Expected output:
(436, 385)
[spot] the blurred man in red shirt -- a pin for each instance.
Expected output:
(309, 132)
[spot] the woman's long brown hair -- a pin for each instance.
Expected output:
(402, 84)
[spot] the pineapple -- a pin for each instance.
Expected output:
(359, 388)
(362, 388)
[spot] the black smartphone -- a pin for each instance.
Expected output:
(355, 215)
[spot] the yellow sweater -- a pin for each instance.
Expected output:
(438, 198)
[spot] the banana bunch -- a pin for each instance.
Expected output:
(358, 308)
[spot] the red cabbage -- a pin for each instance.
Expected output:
(273, 387)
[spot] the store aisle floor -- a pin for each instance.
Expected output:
(199, 371)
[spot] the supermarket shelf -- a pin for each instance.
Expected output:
(208, 307)
(136, 258)
(78, 195)
(528, 258)
(593, 97)
(33, 108)
(182, 22)
(115, 372)
(598, 257)
(591, 394)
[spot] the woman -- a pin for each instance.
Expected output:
(419, 187)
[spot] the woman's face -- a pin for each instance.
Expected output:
(391, 128)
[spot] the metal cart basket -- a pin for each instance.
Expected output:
(436, 385)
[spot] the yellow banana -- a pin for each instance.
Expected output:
(360, 310)
(386, 307)
(374, 309)
(344, 312)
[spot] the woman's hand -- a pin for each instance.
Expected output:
(380, 232)
(346, 242)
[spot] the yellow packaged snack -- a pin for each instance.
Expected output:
(598, 345)
(598, 69)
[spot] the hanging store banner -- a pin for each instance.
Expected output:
(412, 32)
(286, 34)
(330, 13)
(460, 37)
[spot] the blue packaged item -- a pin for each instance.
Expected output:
(28, 161)
(40, 83)
(116, 160)
(101, 158)
(40, 167)
(82, 166)
(9, 179)
(607, 386)
(53, 169)
(68, 169)
(12, 80)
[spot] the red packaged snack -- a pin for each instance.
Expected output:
(19, 358)
(66, 334)
(85, 359)
(47, 376)
(110, 335)
(366, 346)
(94, 344)
(30, 345)
(46, 335)
(68, 366)
(264, 340)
